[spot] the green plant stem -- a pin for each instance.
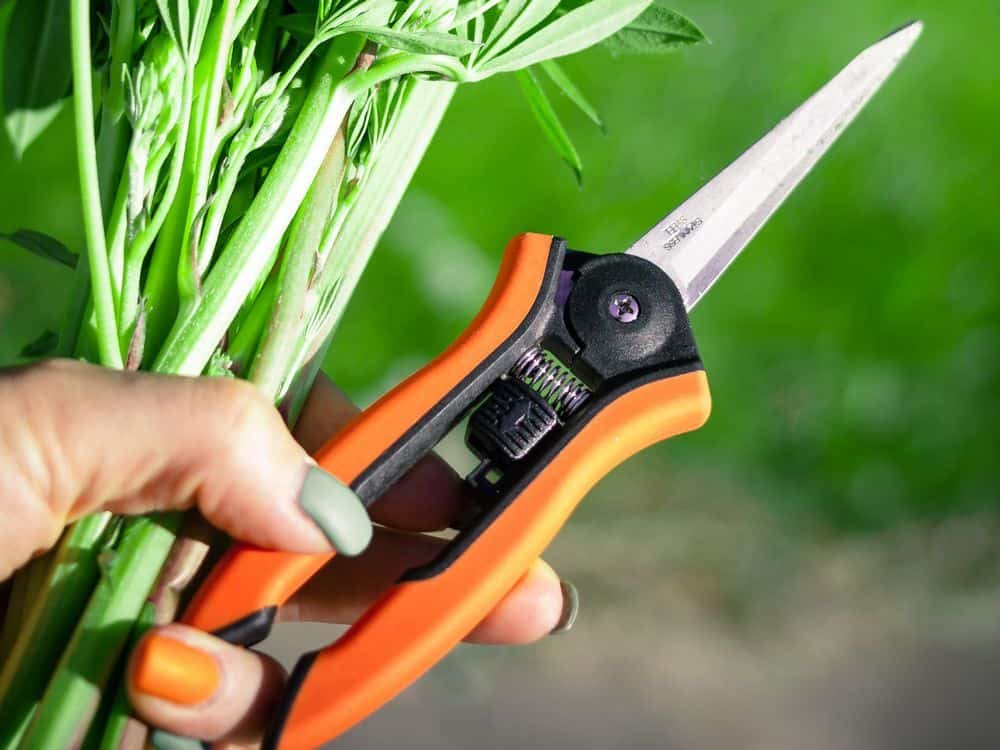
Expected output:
(399, 65)
(243, 345)
(267, 40)
(161, 285)
(288, 319)
(394, 164)
(113, 731)
(295, 399)
(209, 77)
(117, 231)
(74, 693)
(135, 255)
(112, 135)
(397, 158)
(73, 574)
(245, 258)
(93, 221)
(237, 157)
(26, 585)
(17, 605)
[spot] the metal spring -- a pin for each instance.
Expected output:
(552, 380)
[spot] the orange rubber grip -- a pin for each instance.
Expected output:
(248, 578)
(417, 622)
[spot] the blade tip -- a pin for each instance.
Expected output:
(907, 34)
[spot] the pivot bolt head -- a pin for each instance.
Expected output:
(623, 307)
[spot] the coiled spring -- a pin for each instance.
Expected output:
(552, 380)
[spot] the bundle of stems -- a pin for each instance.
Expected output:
(238, 161)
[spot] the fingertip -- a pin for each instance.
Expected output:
(533, 609)
(336, 511)
(192, 684)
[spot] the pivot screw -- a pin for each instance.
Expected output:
(624, 307)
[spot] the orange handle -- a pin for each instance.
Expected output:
(418, 622)
(248, 579)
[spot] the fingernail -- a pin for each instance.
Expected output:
(174, 671)
(336, 510)
(570, 608)
(161, 740)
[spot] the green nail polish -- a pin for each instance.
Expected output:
(571, 607)
(337, 511)
(166, 741)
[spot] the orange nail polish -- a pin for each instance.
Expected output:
(174, 671)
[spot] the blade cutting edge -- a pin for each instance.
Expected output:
(701, 238)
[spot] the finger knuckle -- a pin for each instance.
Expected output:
(240, 405)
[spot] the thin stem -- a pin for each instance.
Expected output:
(50, 622)
(86, 152)
(399, 65)
(243, 345)
(246, 257)
(113, 132)
(73, 694)
(396, 160)
(209, 77)
(136, 253)
(238, 155)
(117, 233)
(288, 320)
(161, 284)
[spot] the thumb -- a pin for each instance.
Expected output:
(75, 438)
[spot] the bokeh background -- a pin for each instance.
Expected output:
(817, 567)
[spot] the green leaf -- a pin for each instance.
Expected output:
(42, 346)
(529, 18)
(36, 69)
(511, 10)
(562, 81)
(300, 25)
(580, 28)
(42, 245)
(468, 11)
(419, 42)
(657, 30)
(545, 114)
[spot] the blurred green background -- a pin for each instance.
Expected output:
(818, 565)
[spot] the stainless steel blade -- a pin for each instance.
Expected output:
(697, 242)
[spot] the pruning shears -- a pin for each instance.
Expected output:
(575, 362)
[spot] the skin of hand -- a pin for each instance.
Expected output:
(76, 438)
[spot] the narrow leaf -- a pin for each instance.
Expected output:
(536, 12)
(43, 346)
(656, 30)
(42, 245)
(419, 42)
(36, 69)
(558, 76)
(468, 11)
(510, 11)
(580, 28)
(546, 116)
(168, 22)
(300, 25)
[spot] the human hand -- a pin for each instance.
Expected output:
(75, 439)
